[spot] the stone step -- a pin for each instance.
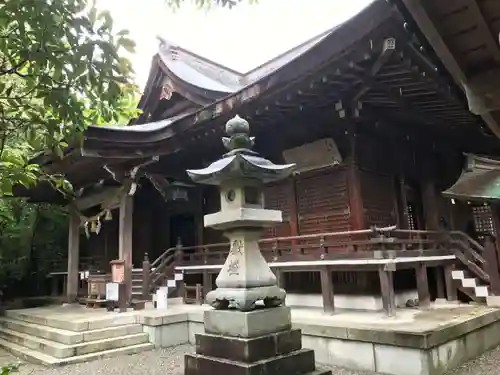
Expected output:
(34, 356)
(320, 372)
(68, 337)
(58, 350)
(93, 323)
(470, 282)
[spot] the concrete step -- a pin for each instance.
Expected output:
(58, 350)
(68, 337)
(482, 291)
(47, 360)
(469, 282)
(93, 323)
(458, 275)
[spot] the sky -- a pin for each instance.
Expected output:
(241, 38)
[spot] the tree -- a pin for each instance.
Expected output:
(207, 3)
(60, 70)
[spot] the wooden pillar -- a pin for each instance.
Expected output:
(387, 289)
(354, 187)
(280, 279)
(294, 215)
(451, 289)
(207, 282)
(125, 239)
(440, 288)
(327, 290)
(424, 297)
(402, 204)
(491, 257)
(200, 227)
(146, 282)
(495, 215)
(73, 256)
(430, 203)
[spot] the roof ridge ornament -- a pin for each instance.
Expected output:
(239, 140)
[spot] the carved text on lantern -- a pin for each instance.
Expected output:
(237, 247)
(234, 267)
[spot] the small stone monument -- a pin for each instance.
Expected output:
(249, 331)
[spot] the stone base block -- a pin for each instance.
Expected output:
(260, 342)
(249, 350)
(493, 301)
(296, 363)
(247, 324)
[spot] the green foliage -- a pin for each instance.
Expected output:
(207, 3)
(8, 369)
(33, 240)
(60, 70)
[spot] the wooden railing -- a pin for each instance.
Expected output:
(372, 243)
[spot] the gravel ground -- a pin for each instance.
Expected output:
(170, 361)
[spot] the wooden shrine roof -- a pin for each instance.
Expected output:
(464, 34)
(367, 68)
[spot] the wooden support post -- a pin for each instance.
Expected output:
(387, 289)
(280, 280)
(354, 186)
(207, 283)
(327, 290)
(440, 289)
(451, 289)
(294, 215)
(492, 265)
(125, 240)
(424, 297)
(199, 294)
(146, 269)
(73, 256)
(54, 285)
(430, 202)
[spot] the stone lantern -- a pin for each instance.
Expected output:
(241, 174)
(242, 337)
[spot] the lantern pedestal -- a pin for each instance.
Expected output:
(246, 343)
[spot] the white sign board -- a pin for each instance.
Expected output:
(171, 283)
(162, 298)
(112, 291)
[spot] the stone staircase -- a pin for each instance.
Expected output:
(172, 282)
(57, 342)
(470, 285)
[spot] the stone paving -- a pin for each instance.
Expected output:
(170, 361)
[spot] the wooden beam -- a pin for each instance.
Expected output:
(388, 48)
(424, 297)
(433, 36)
(327, 290)
(491, 43)
(95, 199)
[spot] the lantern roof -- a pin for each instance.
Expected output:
(240, 162)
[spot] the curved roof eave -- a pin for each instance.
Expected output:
(137, 140)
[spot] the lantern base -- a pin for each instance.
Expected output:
(245, 299)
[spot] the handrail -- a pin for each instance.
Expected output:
(466, 249)
(163, 255)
